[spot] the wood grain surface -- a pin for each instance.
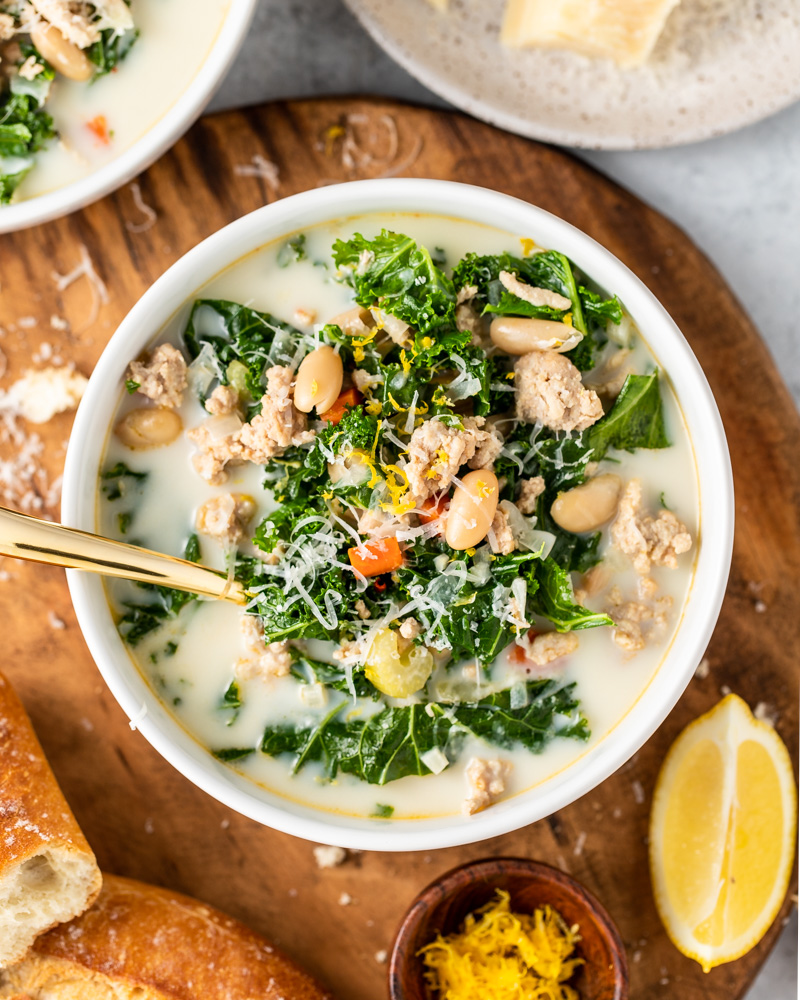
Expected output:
(143, 818)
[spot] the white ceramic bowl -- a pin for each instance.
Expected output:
(156, 141)
(180, 284)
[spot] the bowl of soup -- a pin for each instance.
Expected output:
(92, 94)
(467, 472)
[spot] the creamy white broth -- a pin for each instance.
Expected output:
(176, 37)
(193, 679)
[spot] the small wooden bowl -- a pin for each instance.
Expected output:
(442, 907)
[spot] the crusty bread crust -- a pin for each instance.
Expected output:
(140, 941)
(39, 830)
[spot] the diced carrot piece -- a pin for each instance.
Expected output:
(518, 654)
(98, 126)
(381, 556)
(433, 508)
(346, 399)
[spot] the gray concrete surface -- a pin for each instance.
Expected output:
(738, 197)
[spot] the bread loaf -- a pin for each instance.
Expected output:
(139, 942)
(48, 873)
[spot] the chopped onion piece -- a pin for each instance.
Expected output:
(223, 426)
(435, 760)
(202, 371)
(518, 696)
(314, 695)
(621, 333)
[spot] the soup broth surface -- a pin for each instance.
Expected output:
(175, 39)
(190, 661)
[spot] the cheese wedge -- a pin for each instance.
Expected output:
(623, 30)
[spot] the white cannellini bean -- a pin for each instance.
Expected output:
(319, 380)
(588, 506)
(62, 55)
(472, 510)
(148, 427)
(521, 334)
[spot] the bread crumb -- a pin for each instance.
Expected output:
(765, 712)
(638, 792)
(381, 956)
(759, 607)
(345, 899)
(225, 824)
(55, 622)
(149, 825)
(724, 690)
(40, 394)
(292, 893)
(329, 857)
(305, 317)
(579, 844)
(703, 669)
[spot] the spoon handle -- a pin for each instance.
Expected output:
(26, 537)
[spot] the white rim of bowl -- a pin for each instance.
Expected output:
(464, 100)
(150, 146)
(715, 483)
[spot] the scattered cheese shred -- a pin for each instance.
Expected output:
(500, 955)
(85, 269)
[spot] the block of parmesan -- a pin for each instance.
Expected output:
(48, 873)
(623, 30)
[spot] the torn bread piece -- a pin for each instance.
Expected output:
(140, 942)
(48, 873)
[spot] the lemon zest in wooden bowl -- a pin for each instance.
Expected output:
(500, 955)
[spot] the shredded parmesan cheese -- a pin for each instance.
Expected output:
(85, 268)
(148, 212)
(261, 167)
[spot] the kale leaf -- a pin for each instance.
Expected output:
(231, 702)
(238, 333)
(24, 129)
(120, 479)
(310, 671)
(589, 311)
(400, 276)
(391, 744)
(230, 754)
(554, 600)
(636, 419)
(110, 49)
(293, 250)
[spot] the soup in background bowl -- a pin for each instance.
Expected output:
(101, 93)
(412, 671)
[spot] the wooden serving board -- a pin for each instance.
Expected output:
(143, 818)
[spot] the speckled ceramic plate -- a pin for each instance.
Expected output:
(718, 65)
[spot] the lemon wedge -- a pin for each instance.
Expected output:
(722, 833)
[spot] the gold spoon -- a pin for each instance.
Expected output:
(26, 537)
